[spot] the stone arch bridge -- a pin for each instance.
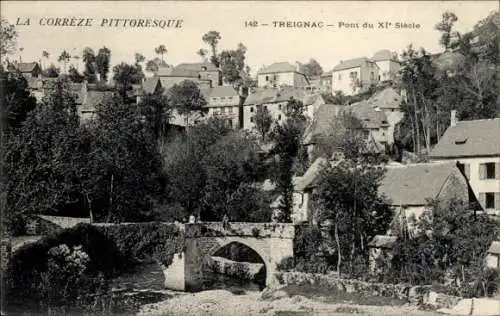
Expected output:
(273, 242)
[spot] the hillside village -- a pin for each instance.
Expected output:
(311, 134)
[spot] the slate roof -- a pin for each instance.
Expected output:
(197, 66)
(222, 91)
(26, 67)
(65, 222)
(322, 122)
(469, 139)
(351, 63)
(93, 98)
(414, 183)
(383, 54)
(149, 85)
(383, 241)
(277, 68)
(272, 95)
(388, 98)
(494, 248)
(368, 116)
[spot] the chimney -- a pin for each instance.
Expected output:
(453, 118)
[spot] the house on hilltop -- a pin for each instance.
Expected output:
(476, 146)
(281, 74)
(387, 63)
(353, 76)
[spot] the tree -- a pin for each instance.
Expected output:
(263, 121)
(448, 39)
(232, 64)
(16, 99)
(347, 197)
(139, 58)
(45, 55)
(202, 53)
(89, 59)
(311, 69)
(287, 138)
(161, 50)
(154, 64)
(212, 39)
(74, 75)
(51, 72)
(186, 98)
(64, 58)
(8, 37)
(102, 61)
(156, 111)
(125, 75)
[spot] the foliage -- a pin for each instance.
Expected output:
(74, 75)
(186, 97)
(232, 65)
(450, 246)
(154, 64)
(156, 111)
(263, 121)
(51, 72)
(448, 39)
(8, 37)
(287, 139)
(347, 197)
(311, 69)
(125, 75)
(64, 58)
(16, 100)
(161, 50)
(102, 61)
(89, 60)
(212, 39)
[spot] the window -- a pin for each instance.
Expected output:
(230, 110)
(487, 171)
(489, 200)
(279, 106)
(372, 75)
(251, 110)
(223, 98)
(279, 117)
(230, 123)
(267, 78)
(223, 110)
(251, 119)
(265, 107)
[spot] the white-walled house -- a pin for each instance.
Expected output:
(476, 145)
(389, 102)
(387, 63)
(281, 74)
(223, 102)
(354, 75)
(275, 101)
(408, 188)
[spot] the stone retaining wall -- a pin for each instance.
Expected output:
(417, 295)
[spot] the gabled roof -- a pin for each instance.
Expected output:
(469, 139)
(222, 91)
(413, 184)
(383, 54)
(94, 98)
(351, 63)
(322, 122)
(273, 95)
(388, 98)
(367, 115)
(277, 68)
(149, 85)
(197, 66)
(26, 67)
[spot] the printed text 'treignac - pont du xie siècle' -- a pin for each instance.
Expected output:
(103, 22)
(339, 25)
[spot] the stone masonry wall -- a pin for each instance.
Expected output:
(418, 295)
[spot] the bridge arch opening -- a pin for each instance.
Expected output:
(234, 265)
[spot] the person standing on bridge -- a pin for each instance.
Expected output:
(225, 221)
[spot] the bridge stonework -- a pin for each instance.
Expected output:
(272, 241)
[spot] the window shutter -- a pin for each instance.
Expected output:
(482, 171)
(482, 199)
(497, 201)
(467, 170)
(497, 171)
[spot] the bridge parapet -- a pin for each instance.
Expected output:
(241, 229)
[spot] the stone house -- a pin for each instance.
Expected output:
(387, 63)
(204, 74)
(493, 256)
(408, 188)
(275, 101)
(354, 75)
(389, 102)
(281, 74)
(321, 83)
(374, 123)
(223, 102)
(476, 146)
(28, 70)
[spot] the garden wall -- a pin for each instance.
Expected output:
(417, 295)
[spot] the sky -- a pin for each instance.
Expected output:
(266, 44)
